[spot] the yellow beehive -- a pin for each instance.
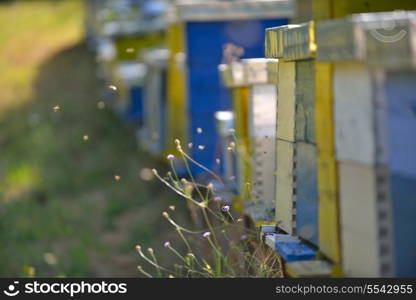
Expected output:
(328, 169)
(176, 88)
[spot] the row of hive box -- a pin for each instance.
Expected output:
(335, 166)
(322, 127)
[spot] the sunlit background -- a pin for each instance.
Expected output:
(76, 193)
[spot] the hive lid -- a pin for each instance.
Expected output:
(273, 45)
(261, 70)
(385, 40)
(197, 10)
(232, 74)
(299, 42)
(390, 39)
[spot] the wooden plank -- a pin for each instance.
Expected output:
(347, 7)
(359, 226)
(403, 195)
(306, 192)
(154, 101)
(176, 88)
(241, 98)
(400, 89)
(324, 115)
(299, 42)
(354, 114)
(284, 186)
(329, 231)
(262, 128)
(305, 101)
(287, 100)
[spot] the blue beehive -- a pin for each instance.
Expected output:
(209, 26)
(400, 91)
(134, 111)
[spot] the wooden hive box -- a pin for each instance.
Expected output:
(206, 28)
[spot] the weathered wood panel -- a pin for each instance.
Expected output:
(306, 192)
(287, 101)
(284, 186)
(263, 105)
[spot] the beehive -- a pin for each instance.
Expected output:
(129, 77)
(373, 94)
(327, 166)
(262, 76)
(225, 121)
(152, 133)
(296, 183)
(204, 29)
(233, 78)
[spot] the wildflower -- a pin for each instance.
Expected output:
(130, 50)
(171, 276)
(217, 198)
(199, 130)
(150, 250)
(210, 186)
(112, 87)
(170, 157)
(190, 145)
(166, 244)
(239, 220)
(225, 208)
(206, 234)
(229, 149)
(56, 108)
(218, 161)
(117, 177)
(232, 144)
(154, 172)
(184, 181)
(243, 237)
(85, 137)
(138, 248)
(201, 147)
(172, 207)
(165, 214)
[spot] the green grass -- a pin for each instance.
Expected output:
(58, 196)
